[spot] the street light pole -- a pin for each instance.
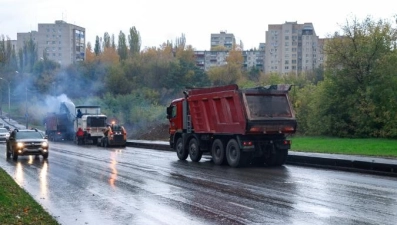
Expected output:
(26, 106)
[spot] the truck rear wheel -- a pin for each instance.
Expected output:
(218, 152)
(233, 153)
(181, 151)
(194, 151)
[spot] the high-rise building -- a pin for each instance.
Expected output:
(60, 41)
(292, 48)
(223, 39)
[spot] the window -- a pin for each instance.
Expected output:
(286, 62)
(286, 38)
(286, 67)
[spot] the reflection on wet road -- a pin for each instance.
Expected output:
(93, 185)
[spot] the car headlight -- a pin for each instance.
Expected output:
(44, 144)
(19, 145)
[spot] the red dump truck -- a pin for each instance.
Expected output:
(236, 126)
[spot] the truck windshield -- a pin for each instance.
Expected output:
(268, 106)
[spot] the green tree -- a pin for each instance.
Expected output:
(97, 48)
(134, 40)
(106, 40)
(122, 48)
(349, 102)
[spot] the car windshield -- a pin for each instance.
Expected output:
(28, 135)
(3, 130)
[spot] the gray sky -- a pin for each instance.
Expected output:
(162, 20)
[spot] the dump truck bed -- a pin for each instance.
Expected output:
(228, 110)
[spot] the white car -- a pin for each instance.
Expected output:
(4, 134)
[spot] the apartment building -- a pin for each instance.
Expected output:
(224, 39)
(60, 41)
(208, 59)
(292, 48)
(289, 48)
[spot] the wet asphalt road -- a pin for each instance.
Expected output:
(93, 185)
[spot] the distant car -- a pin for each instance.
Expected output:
(27, 142)
(4, 134)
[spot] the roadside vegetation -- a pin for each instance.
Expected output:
(18, 207)
(377, 147)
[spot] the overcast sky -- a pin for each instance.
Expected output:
(162, 20)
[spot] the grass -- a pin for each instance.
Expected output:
(17, 206)
(366, 147)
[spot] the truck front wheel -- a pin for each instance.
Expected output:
(181, 151)
(218, 152)
(194, 151)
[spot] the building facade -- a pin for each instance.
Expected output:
(292, 48)
(60, 41)
(224, 39)
(208, 59)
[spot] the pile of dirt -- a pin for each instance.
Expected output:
(157, 132)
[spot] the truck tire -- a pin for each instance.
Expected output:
(45, 155)
(194, 150)
(218, 152)
(233, 153)
(181, 151)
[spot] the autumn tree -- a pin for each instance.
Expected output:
(219, 48)
(89, 54)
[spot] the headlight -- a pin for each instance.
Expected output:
(19, 145)
(44, 144)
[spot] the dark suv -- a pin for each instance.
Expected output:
(27, 142)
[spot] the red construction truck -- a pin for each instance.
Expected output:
(236, 126)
